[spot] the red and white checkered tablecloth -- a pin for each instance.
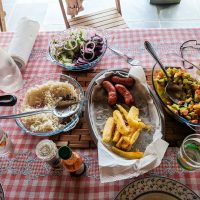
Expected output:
(18, 173)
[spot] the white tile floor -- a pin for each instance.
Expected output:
(137, 13)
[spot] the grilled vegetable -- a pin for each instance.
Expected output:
(189, 108)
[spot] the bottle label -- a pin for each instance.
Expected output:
(81, 170)
(3, 141)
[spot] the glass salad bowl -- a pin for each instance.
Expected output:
(78, 48)
(183, 73)
(64, 125)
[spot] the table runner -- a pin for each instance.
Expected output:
(18, 185)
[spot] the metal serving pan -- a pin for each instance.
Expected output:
(97, 110)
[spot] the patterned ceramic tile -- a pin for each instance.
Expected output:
(35, 11)
(54, 27)
(187, 9)
(180, 24)
(143, 24)
(138, 10)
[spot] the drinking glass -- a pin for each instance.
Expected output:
(188, 156)
(10, 75)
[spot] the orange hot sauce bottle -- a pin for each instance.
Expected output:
(72, 161)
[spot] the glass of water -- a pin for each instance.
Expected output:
(10, 75)
(188, 156)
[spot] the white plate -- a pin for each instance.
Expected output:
(156, 188)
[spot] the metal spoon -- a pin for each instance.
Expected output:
(173, 90)
(63, 109)
(130, 60)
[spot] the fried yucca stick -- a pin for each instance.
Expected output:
(128, 155)
(121, 126)
(108, 130)
(123, 111)
(116, 136)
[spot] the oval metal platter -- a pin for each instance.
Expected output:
(98, 110)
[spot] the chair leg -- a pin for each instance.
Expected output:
(1, 27)
(118, 5)
(64, 14)
(2, 17)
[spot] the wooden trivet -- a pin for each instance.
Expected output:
(79, 137)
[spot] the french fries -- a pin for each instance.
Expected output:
(135, 136)
(108, 130)
(129, 155)
(125, 144)
(123, 111)
(123, 130)
(121, 126)
(116, 136)
(132, 117)
(119, 142)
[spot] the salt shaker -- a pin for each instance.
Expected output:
(47, 151)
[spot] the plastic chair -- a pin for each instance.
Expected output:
(106, 19)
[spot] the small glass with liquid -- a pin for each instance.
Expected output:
(5, 143)
(188, 156)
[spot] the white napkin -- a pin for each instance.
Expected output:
(23, 41)
(113, 167)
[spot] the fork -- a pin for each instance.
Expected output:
(130, 60)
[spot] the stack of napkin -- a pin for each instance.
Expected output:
(23, 41)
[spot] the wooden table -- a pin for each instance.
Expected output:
(23, 176)
(80, 137)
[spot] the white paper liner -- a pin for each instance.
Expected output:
(113, 167)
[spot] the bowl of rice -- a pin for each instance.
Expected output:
(44, 93)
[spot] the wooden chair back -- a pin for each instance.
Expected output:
(2, 17)
(78, 20)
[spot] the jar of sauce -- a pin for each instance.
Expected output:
(72, 161)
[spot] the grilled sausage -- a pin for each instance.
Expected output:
(112, 94)
(124, 81)
(128, 98)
